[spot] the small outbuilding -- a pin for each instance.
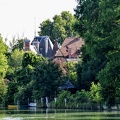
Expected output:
(68, 86)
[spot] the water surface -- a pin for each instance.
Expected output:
(57, 114)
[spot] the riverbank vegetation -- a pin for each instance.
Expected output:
(25, 77)
(91, 100)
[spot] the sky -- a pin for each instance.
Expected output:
(21, 18)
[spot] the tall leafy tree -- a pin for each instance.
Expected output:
(3, 58)
(109, 78)
(15, 59)
(24, 77)
(46, 80)
(30, 58)
(60, 28)
(14, 62)
(19, 44)
(72, 74)
(3, 65)
(69, 20)
(3, 90)
(3, 69)
(99, 25)
(11, 90)
(46, 28)
(16, 44)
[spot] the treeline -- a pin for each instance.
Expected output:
(59, 28)
(25, 76)
(99, 25)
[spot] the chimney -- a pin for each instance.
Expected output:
(26, 45)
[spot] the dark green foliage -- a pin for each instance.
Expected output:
(63, 99)
(3, 70)
(46, 28)
(60, 28)
(30, 58)
(109, 78)
(99, 25)
(16, 44)
(15, 63)
(79, 100)
(3, 58)
(3, 46)
(87, 73)
(15, 59)
(72, 73)
(24, 77)
(95, 93)
(10, 74)
(46, 80)
(19, 44)
(12, 89)
(82, 97)
(24, 94)
(37, 78)
(3, 90)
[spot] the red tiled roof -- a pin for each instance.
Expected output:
(70, 47)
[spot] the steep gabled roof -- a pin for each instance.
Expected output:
(71, 43)
(45, 45)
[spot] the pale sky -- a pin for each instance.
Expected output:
(20, 18)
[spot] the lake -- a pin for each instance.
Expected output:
(56, 114)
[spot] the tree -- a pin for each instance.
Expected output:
(109, 78)
(3, 59)
(69, 20)
(95, 93)
(24, 87)
(3, 47)
(87, 73)
(16, 44)
(60, 28)
(3, 69)
(19, 44)
(39, 80)
(46, 28)
(3, 65)
(72, 74)
(86, 28)
(3, 90)
(14, 63)
(29, 58)
(10, 93)
(99, 25)
(46, 80)
(24, 77)
(59, 32)
(15, 59)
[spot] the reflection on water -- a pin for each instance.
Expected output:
(11, 118)
(33, 113)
